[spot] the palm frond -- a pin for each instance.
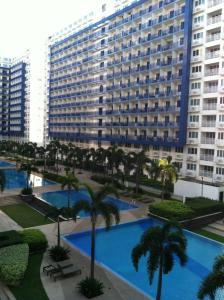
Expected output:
(210, 285)
(105, 191)
(136, 254)
(81, 205)
(152, 264)
(219, 264)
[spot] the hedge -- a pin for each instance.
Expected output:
(106, 179)
(8, 238)
(172, 210)
(53, 177)
(13, 263)
(204, 206)
(35, 239)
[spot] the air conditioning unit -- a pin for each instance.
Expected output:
(190, 158)
(221, 125)
(192, 142)
(218, 178)
(221, 106)
(192, 125)
(220, 161)
(189, 173)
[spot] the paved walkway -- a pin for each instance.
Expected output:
(216, 227)
(6, 223)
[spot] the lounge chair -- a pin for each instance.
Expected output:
(66, 272)
(51, 269)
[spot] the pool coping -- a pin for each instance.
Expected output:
(102, 227)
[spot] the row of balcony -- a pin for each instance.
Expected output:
(170, 125)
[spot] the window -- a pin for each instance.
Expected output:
(220, 171)
(221, 118)
(193, 134)
(198, 36)
(193, 118)
(156, 148)
(198, 2)
(179, 149)
(192, 151)
(220, 135)
(220, 153)
(191, 167)
(196, 69)
(221, 100)
(195, 85)
(195, 102)
(167, 149)
(195, 52)
(198, 19)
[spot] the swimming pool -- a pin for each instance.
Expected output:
(59, 199)
(16, 180)
(113, 251)
(6, 164)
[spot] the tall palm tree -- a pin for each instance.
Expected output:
(94, 207)
(154, 169)
(128, 164)
(2, 180)
(70, 182)
(168, 174)
(162, 244)
(214, 281)
(28, 167)
(140, 160)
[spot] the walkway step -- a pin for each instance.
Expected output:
(217, 226)
(213, 230)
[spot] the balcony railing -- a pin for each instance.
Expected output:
(214, 2)
(207, 141)
(213, 54)
(214, 20)
(210, 106)
(206, 157)
(211, 89)
(213, 37)
(203, 173)
(208, 124)
(212, 72)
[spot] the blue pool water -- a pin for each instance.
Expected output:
(113, 250)
(59, 199)
(15, 179)
(6, 164)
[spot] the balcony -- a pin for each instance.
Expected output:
(207, 174)
(207, 157)
(212, 72)
(212, 3)
(208, 124)
(214, 20)
(213, 89)
(219, 160)
(208, 141)
(208, 106)
(210, 55)
(213, 37)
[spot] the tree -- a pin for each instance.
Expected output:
(162, 244)
(128, 164)
(154, 169)
(214, 281)
(28, 168)
(168, 174)
(70, 182)
(2, 180)
(140, 161)
(94, 207)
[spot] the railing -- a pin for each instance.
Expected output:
(213, 37)
(208, 124)
(207, 157)
(212, 72)
(214, 2)
(210, 106)
(207, 141)
(213, 54)
(214, 20)
(211, 89)
(205, 174)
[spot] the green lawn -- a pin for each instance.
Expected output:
(210, 235)
(31, 287)
(24, 215)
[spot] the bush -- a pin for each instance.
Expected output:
(172, 210)
(27, 191)
(35, 239)
(59, 253)
(204, 206)
(90, 287)
(13, 263)
(10, 237)
(53, 177)
(101, 179)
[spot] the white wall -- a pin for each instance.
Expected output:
(194, 189)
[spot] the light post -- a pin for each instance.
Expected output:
(202, 183)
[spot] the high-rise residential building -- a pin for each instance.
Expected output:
(150, 74)
(14, 98)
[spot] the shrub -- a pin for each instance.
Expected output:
(101, 179)
(13, 263)
(59, 253)
(172, 210)
(10, 237)
(204, 206)
(53, 177)
(90, 287)
(27, 191)
(35, 239)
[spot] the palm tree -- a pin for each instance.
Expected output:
(140, 161)
(70, 182)
(214, 281)
(168, 174)
(162, 244)
(94, 207)
(128, 164)
(154, 169)
(28, 167)
(2, 180)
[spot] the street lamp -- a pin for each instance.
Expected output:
(202, 182)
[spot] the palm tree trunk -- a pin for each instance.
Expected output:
(59, 233)
(159, 286)
(93, 236)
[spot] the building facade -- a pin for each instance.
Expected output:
(14, 99)
(149, 75)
